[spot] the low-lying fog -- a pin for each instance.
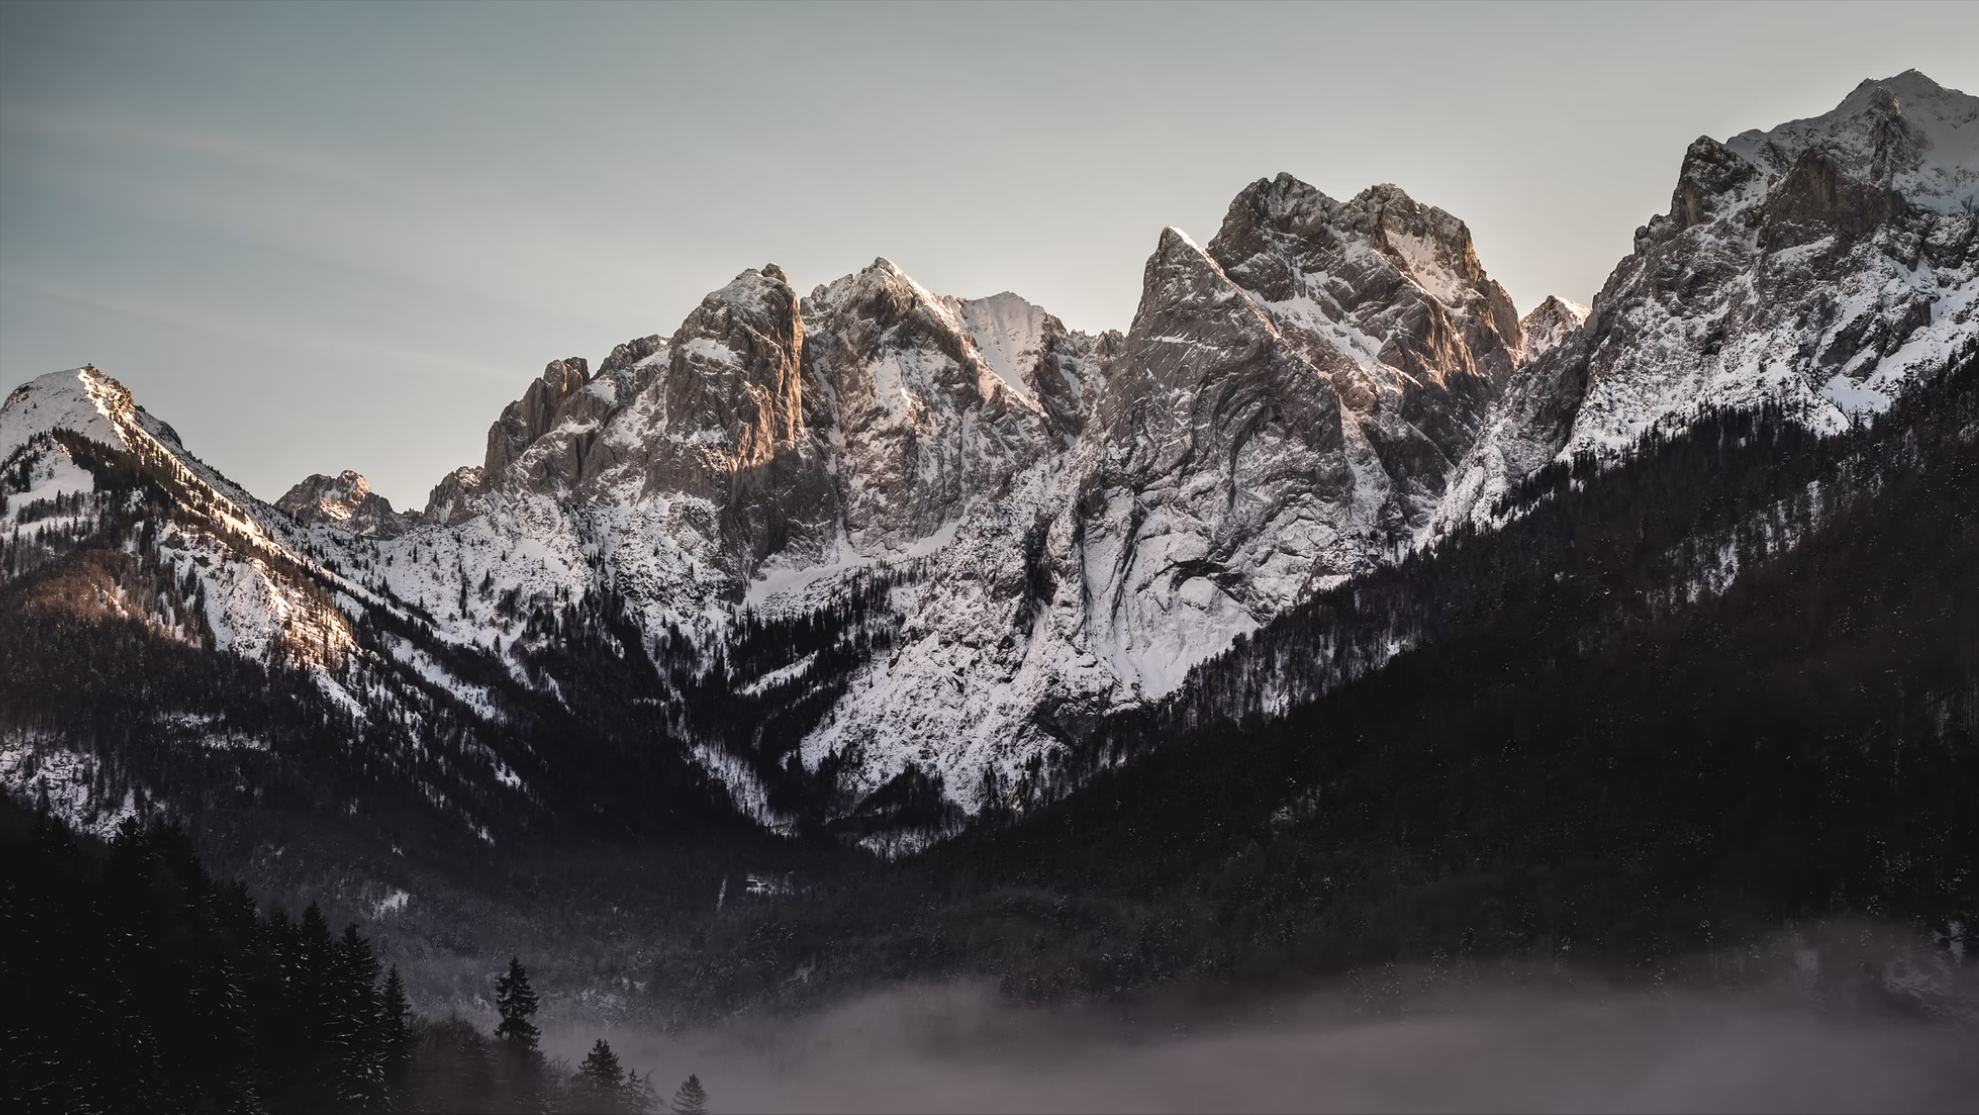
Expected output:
(960, 1049)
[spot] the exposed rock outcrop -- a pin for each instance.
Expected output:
(1819, 267)
(345, 500)
(1549, 323)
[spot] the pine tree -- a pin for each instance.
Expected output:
(636, 1094)
(356, 1034)
(310, 979)
(394, 1031)
(599, 1080)
(518, 1061)
(691, 1099)
(517, 1004)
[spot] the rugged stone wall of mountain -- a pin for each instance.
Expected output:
(1074, 521)
(1549, 323)
(1821, 265)
(1387, 298)
(1218, 486)
(921, 424)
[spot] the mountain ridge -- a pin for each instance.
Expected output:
(1001, 531)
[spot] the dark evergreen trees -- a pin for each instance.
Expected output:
(518, 1060)
(1729, 687)
(636, 1094)
(516, 1002)
(140, 984)
(357, 1032)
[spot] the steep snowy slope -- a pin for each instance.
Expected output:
(60, 431)
(186, 644)
(1822, 266)
(1055, 523)
(1244, 447)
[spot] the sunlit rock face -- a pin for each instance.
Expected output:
(554, 395)
(1820, 266)
(345, 500)
(1386, 298)
(1070, 521)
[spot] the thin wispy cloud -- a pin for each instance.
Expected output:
(253, 330)
(457, 237)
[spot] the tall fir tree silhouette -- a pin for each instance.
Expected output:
(517, 1003)
(310, 974)
(394, 1032)
(691, 1099)
(600, 1081)
(519, 1062)
(360, 1076)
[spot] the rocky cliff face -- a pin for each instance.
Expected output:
(1819, 267)
(1218, 487)
(1386, 299)
(922, 424)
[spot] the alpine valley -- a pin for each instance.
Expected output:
(1330, 616)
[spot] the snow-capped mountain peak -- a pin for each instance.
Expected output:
(82, 401)
(1548, 324)
(877, 533)
(347, 501)
(63, 433)
(1820, 267)
(1906, 133)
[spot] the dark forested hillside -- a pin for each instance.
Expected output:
(1679, 705)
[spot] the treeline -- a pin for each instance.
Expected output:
(136, 982)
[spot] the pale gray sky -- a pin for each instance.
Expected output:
(343, 236)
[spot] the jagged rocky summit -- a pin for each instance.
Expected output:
(981, 531)
(1821, 267)
(1551, 322)
(1067, 522)
(345, 500)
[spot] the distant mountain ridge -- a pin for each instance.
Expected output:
(875, 557)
